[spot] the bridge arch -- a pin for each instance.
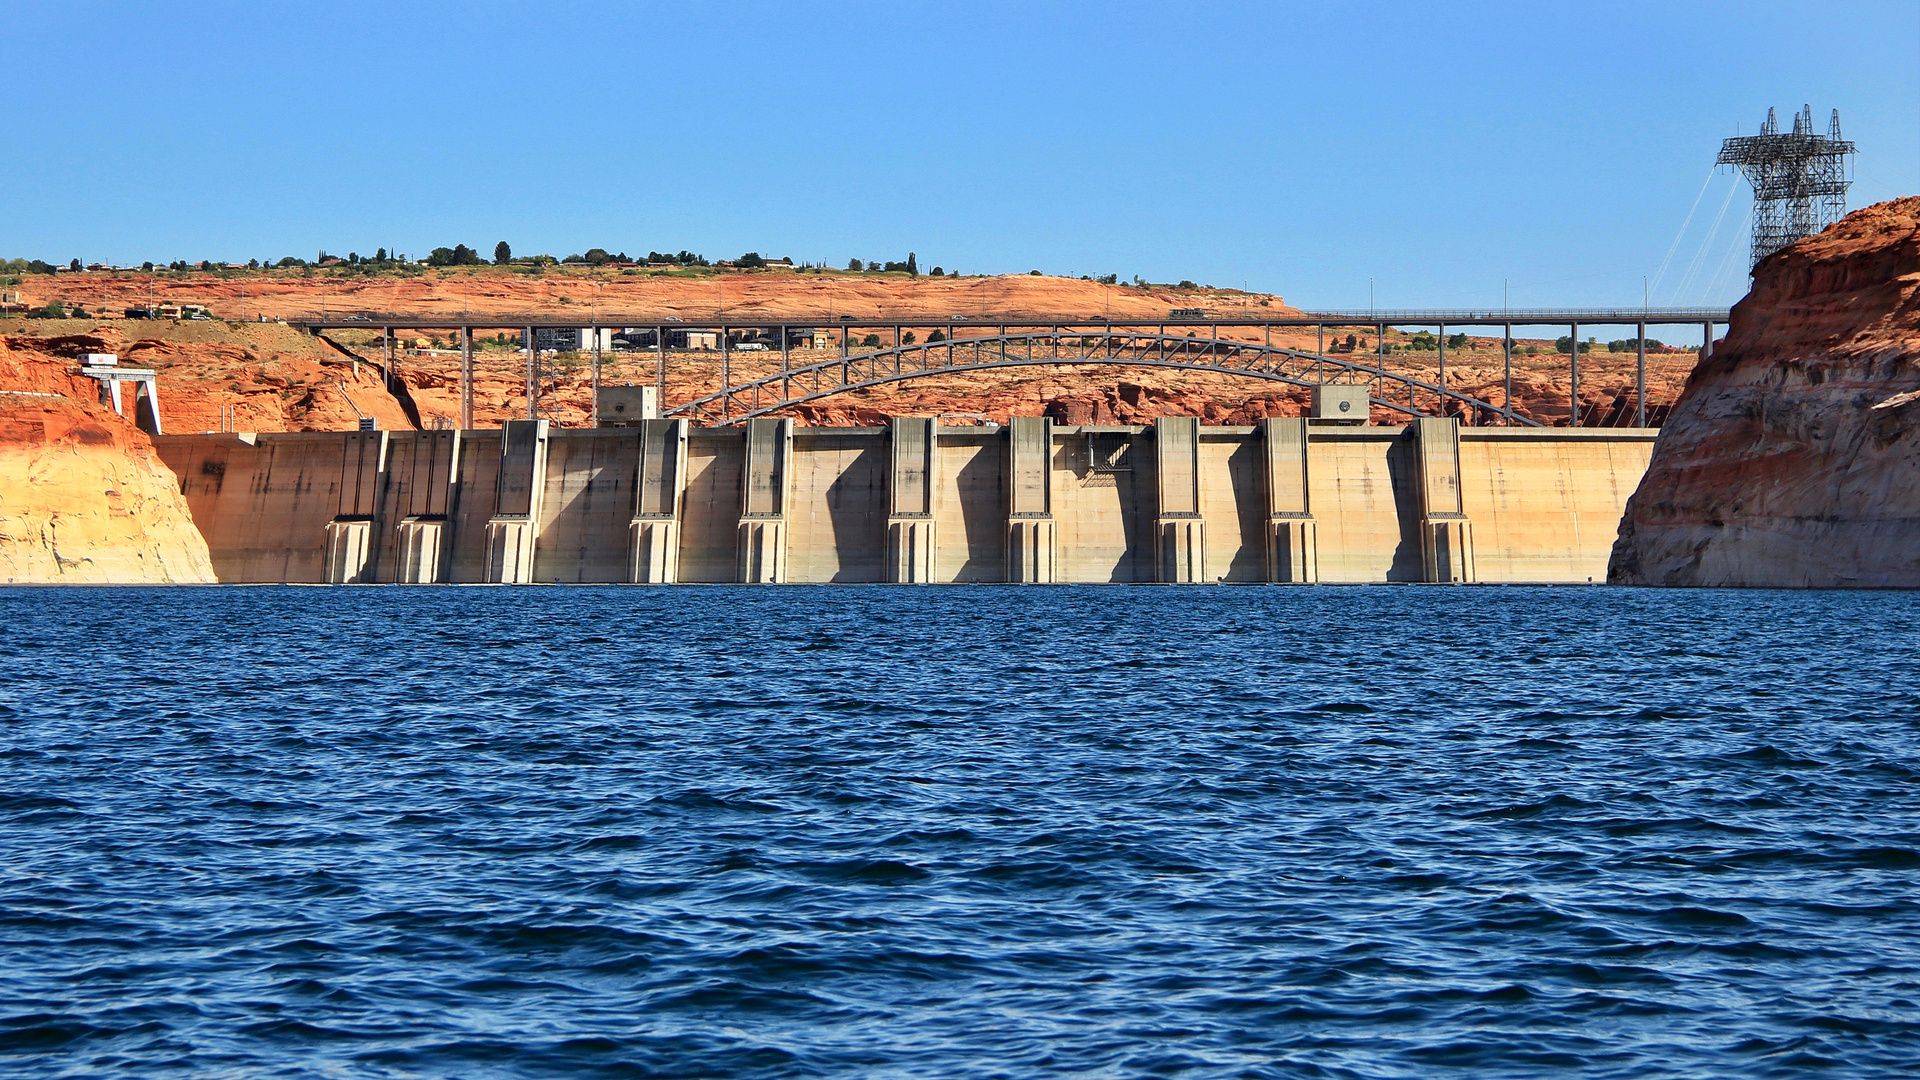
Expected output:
(796, 385)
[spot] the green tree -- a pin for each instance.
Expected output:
(502, 254)
(458, 255)
(750, 261)
(856, 265)
(908, 340)
(872, 341)
(936, 336)
(913, 265)
(1633, 345)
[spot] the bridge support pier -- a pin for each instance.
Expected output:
(764, 483)
(514, 527)
(1031, 543)
(910, 487)
(1446, 534)
(1293, 537)
(1180, 533)
(653, 550)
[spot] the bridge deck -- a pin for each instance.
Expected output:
(1021, 320)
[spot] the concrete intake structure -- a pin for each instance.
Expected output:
(765, 502)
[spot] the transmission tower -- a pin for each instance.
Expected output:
(1799, 180)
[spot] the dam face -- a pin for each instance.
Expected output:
(1284, 501)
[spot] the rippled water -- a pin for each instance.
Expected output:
(956, 832)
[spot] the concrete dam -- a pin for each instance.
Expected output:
(1289, 500)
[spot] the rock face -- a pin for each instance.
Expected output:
(1792, 456)
(83, 497)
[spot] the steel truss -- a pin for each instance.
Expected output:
(793, 385)
(1799, 180)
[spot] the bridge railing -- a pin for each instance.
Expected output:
(1525, 316)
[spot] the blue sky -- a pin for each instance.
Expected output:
(1302, 149)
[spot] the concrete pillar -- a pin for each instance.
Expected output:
(466, 378)
(533, 389)
(1293, 538)
(422, 468)
(911, 483)
(514, 527)
(764, 480)
(659, 484)
(1031, 556)
(1180, 535)
(146, 405)
(1640, 378)
(1573, 374)
(353, 536)
(349, 551)
(422, 542)
(1446, 536)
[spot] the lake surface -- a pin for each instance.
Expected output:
(959, 832)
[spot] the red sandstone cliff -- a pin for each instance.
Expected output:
(1792, 455)
(83, 497)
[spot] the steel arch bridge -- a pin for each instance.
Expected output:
(796, 385)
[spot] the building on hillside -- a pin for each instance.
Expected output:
(572, 339)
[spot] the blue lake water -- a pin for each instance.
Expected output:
(959, 832)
